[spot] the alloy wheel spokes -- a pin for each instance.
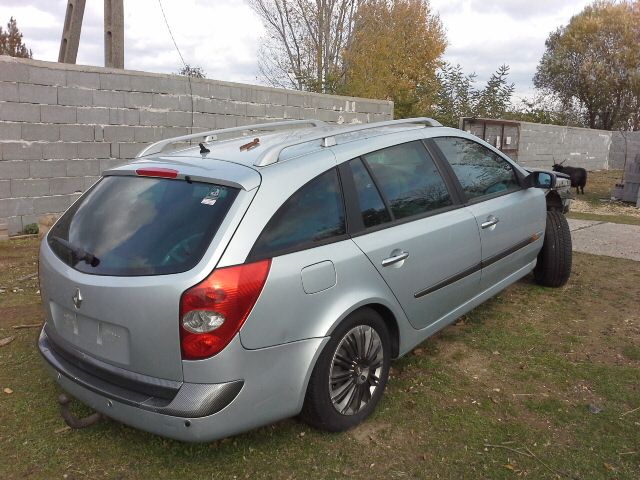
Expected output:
(355, 369)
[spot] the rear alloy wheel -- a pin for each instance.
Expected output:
(350, 375)
(554, 260)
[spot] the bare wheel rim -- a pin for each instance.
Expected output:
(355, 370)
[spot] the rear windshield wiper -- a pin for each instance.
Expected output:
(78, 253)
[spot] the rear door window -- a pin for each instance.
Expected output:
(312, 216)
(372, 208)
(481, 172)
(141, 226)
(409, 179)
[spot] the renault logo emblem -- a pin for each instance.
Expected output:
(77, 298)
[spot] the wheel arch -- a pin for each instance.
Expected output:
(554, 202)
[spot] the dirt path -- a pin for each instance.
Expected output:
(604, 238)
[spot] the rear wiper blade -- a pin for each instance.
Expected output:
(78, 253)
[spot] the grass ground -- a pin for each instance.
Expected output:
(509, 391)
(596, 202)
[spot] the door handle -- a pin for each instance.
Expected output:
(396, 256)
(491, 221)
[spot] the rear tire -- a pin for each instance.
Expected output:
(554, 260)
(350, 375)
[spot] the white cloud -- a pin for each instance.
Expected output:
(224, 36)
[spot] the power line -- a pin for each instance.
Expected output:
(171, 33)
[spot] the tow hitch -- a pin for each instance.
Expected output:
(73, 421)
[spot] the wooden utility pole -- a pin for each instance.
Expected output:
(113, 32)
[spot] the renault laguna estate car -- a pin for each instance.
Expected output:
(277, 269)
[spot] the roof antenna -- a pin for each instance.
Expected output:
(203, 150)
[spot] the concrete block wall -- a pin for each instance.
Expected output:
(542, 145)
(624, 145)
(62, 125)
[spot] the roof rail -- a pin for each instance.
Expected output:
(159, 146)
(272, 155)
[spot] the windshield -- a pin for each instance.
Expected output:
(141, 226)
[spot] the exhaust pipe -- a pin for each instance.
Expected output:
(73, 421)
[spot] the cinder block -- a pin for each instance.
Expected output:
(256, 110)
(41, 132)
(75, 96)
(59, 150)
(271, 97)
(83, 79)
(9, 92)
(47, 168)
(14, 169)
(226, 121)
(275, 111)
(13, 72)
(147, 134)
(5, 188)
(77, 133)
(93, 115)
(98, 131)
(83, 168)
(205, 120)
(153, 118)
(130, 150)
(200, 88)
(170, 132)
(143, 83)
(94, 150)
(223, 92)
(117, 133)
(21, 151)
(295, 99)
(51, 204)
(14, 225)
(66, 185)
(187, 103)
(108, 98)
(11, 207)
(10, 131)
(240, 94)
(292, 112)
(47, 76)
(124, 116)
(179, 119)
(57, 114)
(29, 187)
(28, 93)
(114, 81)
(170, 102)
(138, 99)
(113, 163)
(19, 112)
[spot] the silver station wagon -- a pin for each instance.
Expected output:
(277, 269)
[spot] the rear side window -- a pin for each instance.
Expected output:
(480, 171)
(312, 216)
(372, 207)
(409, 179)
(141, 226)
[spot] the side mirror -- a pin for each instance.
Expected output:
(540, 179)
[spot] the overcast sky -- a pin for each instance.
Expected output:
(223, 36)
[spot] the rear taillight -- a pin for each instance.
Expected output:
(212, 312)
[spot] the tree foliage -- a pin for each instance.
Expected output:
(595, 60)
(458, 96)
(192, 71)
(394, 54)
(304, 42)
(11, 41)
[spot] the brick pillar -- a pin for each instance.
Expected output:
(71, 31)
(113, 34)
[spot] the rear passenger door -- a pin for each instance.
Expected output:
(404, 216)
(511, 219)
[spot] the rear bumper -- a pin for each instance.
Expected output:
(273, 389)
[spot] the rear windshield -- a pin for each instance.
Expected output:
(140, 226)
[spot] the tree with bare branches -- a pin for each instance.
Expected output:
(304, 42)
